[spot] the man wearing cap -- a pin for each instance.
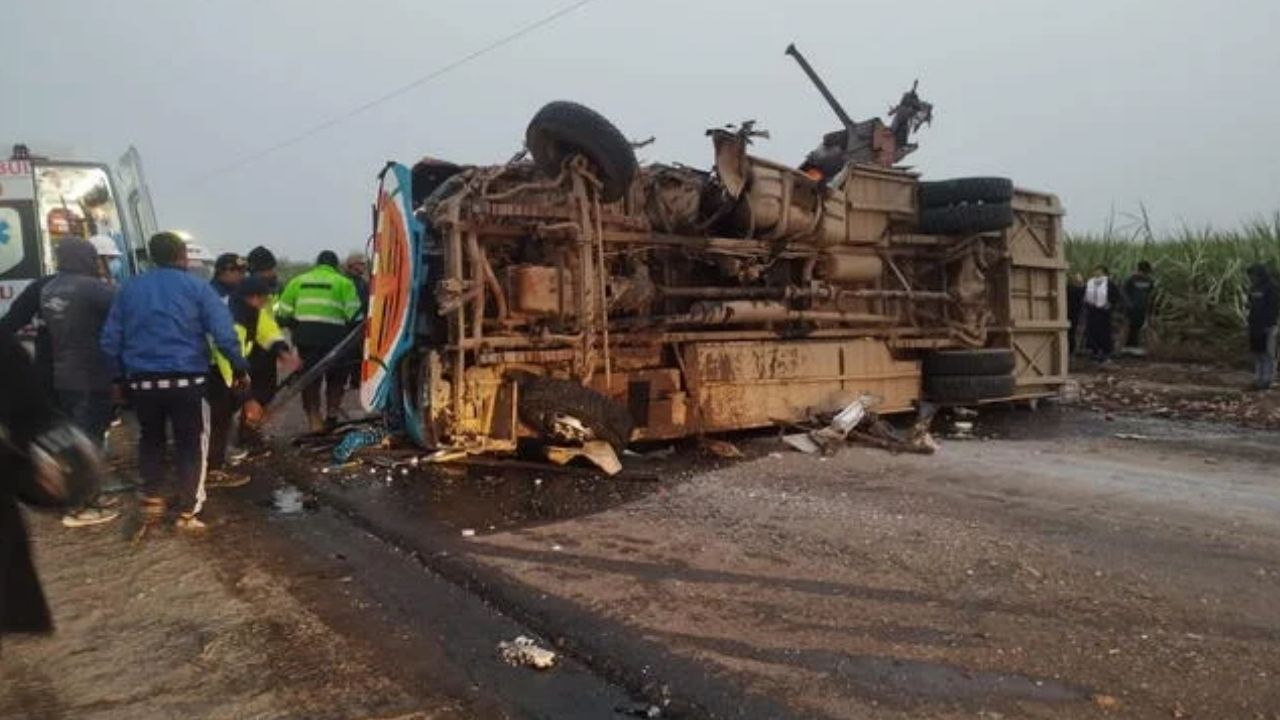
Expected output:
(321, 306)
(356, 267)
(256, 330)
(228, 271)
(156, 342)
(262, 366)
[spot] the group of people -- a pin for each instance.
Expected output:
(1096, 301)
(186, 356)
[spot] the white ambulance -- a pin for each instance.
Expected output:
(43, 201)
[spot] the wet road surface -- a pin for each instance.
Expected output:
(1058, 564)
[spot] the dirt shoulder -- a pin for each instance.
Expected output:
(1069, 573)
(167, 629)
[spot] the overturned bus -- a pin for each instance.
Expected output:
(574, 295)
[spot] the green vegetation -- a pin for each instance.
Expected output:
(1200, 276)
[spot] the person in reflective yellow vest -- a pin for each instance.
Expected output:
(256, 330)
(320, 307)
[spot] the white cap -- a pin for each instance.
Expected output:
(198, 252)
(105, 246)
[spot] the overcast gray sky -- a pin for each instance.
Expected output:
(1107, 102)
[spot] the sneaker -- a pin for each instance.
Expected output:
(190, 523)
(237, 456)
(89, 516)
(224, 479)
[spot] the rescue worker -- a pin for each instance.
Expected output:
(320, 306)
(156, 340)
(255, 329)
(1139, 290)
(356, 267)
(1264, 314)
(64, 472)
(1101, 298)
(228, 272)
(74, 306)
(264, 376)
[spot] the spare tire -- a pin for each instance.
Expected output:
(562, 129)
(968, 388)
(940, 193)
(984, 361)
(965, 219)
(550, 405)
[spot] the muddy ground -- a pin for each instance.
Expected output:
(1082, 561)
(1180, 391)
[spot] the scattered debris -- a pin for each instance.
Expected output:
(1133, 436)
(599, 452)
(640, 710)
(659, 454)
(363, 437)
(524, 652)
(720, 448)
(444, 455)
(1106, 702)
(828, 439)
(858, 422)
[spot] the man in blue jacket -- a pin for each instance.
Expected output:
(156, 339)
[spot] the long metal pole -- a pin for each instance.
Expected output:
(822, 87)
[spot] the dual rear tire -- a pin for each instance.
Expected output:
(965, 206)
(959, 377)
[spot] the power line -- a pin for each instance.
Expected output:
(413, 84)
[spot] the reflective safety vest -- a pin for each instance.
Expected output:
(320, 295)
(267, 335)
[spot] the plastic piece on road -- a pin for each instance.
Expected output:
(356, 439)
(523, 651)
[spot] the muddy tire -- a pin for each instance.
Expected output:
(562, 129)
(941, 193)
(986, 361)
(952, 389)
(545, 403)
(965, 219)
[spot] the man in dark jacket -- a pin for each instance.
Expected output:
(1264, 312)
(1139, 290)
(1075, 306)
(74, 306)
(156, 337)
(42, 463)
(25, 311)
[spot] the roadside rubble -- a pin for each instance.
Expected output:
(525, 652)
(858, 422)
(1180, 392)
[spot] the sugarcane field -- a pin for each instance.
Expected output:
(589, 359)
